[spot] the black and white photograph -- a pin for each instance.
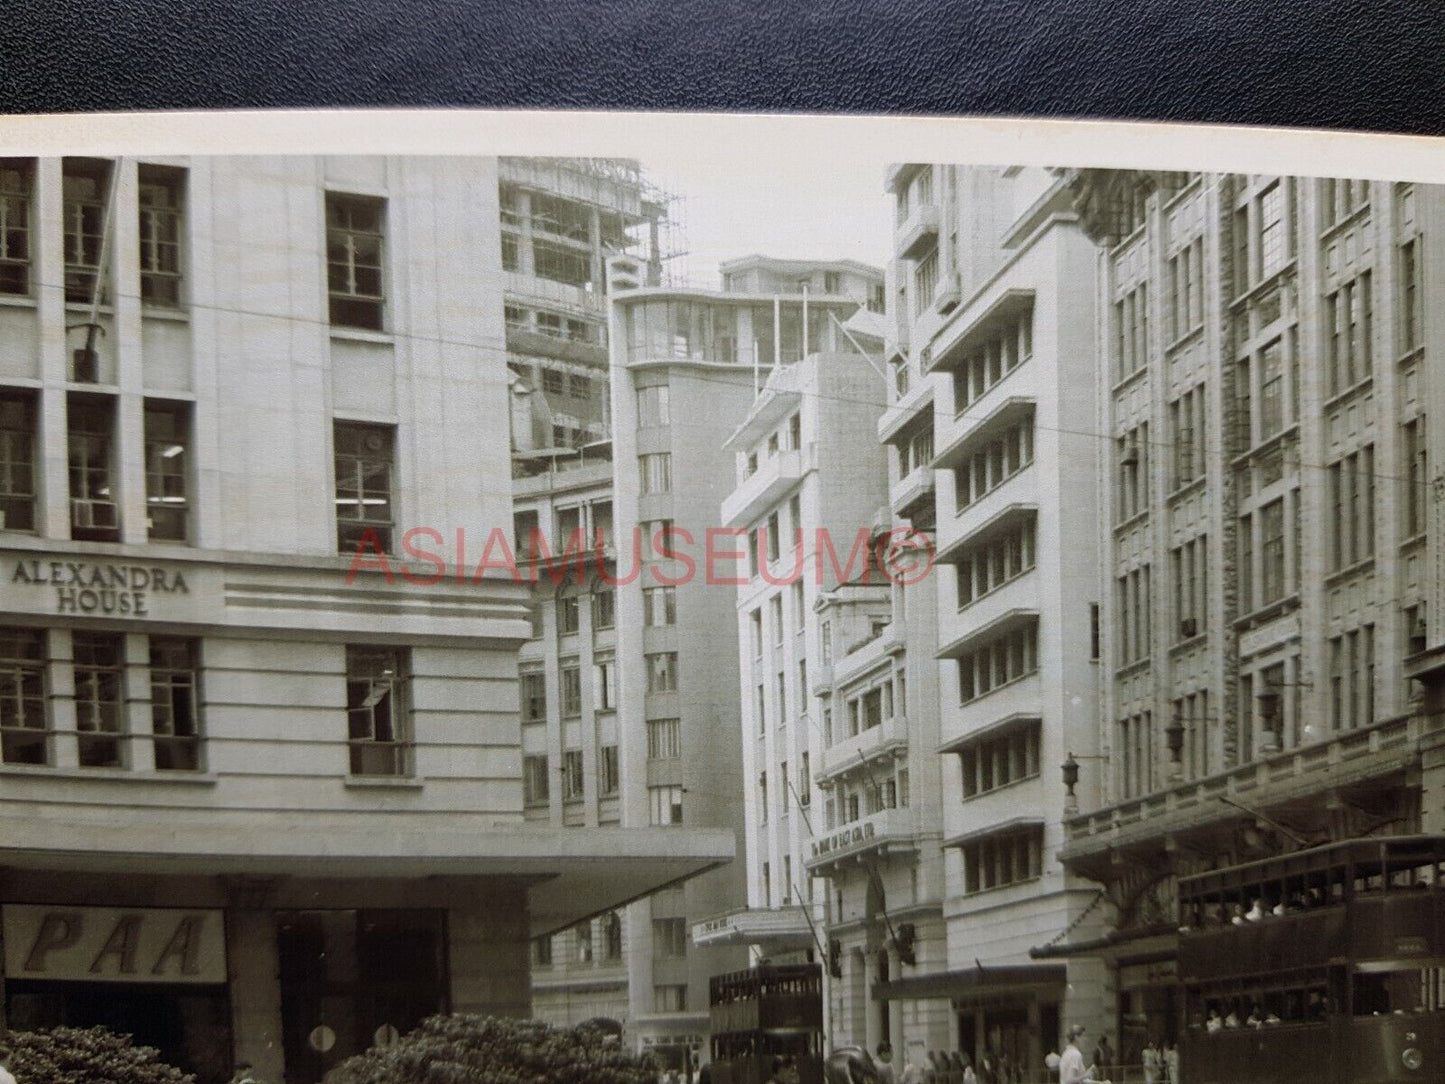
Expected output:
(633, 599)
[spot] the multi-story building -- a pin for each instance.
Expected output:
(258, 713)
(1269, 543)
(805, 487)
(687, 366)
(991, 449)
(561, 218)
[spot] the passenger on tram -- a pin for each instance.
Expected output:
(1254, 1019)
(1256, 911)
(1237, 914)
(1232, 1020)
(1214, 1022)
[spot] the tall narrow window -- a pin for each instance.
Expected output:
(665, 805)
(571, 681)
(17, 461)
(652, 406)
(661, 672)
(1416, 474)
(364, 465)
(572, 775)
(17, 180)
(1273, 249)
(535, 783)
(1271, 552)
(85, 192)
(354, 230)
(175, 703)
(378, 715)
(94, 514)
(168, 440)
(604, 685)
(534, 697)
(98, 698)
(160, 194)
(24, 727)
(656, 472)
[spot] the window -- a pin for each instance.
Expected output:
(669, 998)
(604, 685)
(996, 562)
(994, 463)
(1271, 552)
(571, 683)
(1008, 346)
(1190, 566)
(805, 782)
(1132, 450)
(534, 697)
(17, 460)
(660, 604)
(1188, 426)
(579, 386)
(762, 797)
(669, 938)
(160, 196)
(553, 382)
(378, 726)
(1273, 247)
(775, 618)
(653, 407)
(664, 739)
(17, 180)
(1411, 316)
(767, 886)
(1352, 494)
(583, 936)
(1004, 859)
(1349, 320)
(24, 726)
(1414, 451)
(1131, 330)
(802, 686)
(604, 608)
(1134, 616)
(364, 465)
(1135, 754)
(925, 282)
(612, 936)
(774, 535)
(665, 805)
(572, 783)
(996, 762)
(85, 194)
(998, 662)
(354, 227)
(787, 879)
(167, 439)
(1186, 288)
(610, 771)
(795, 441)
(656, 472)
(98, 698)
(535, 789)
(1352, 678)
(542, 951)
(755, 628)
(175, 703)
(661, 672)
(569, 614)
(825, 635)
(94, 513)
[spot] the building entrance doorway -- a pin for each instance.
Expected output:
(352, 979)
(189, 1025)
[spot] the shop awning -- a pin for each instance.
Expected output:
(571, 873)
(974, 982)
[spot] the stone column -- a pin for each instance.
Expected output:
(254, 967)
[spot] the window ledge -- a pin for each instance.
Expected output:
(996, 588)
(109, 775)
(1001, 787)
(1414, 540)
(1180, 341)
(1265, 284)
(1357, 388)
(1415, 353)
(1129, 379)
(1267, 445)
(1185, 489)
(174, 315)
(361, 335)
(17, 301)
(1000, 888)
(1180, 646)
(1138, 519)
(1350, 571)
(982, 696)
(1134, 666)
(1278, 608)
(385, 782)
(1334, 229)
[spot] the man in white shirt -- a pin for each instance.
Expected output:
(1071, 1061)
(5, 1076)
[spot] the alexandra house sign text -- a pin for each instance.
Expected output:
(100, 588)
(114, 944)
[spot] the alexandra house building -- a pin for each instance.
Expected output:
(260, 751)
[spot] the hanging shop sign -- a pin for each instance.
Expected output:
(114, 944)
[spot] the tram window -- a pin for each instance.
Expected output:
(1404, 991)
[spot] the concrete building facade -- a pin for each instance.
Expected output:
(260, 736)
(1270, 536)
(989, 431)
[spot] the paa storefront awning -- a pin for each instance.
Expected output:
(571, 873)
(973, 982)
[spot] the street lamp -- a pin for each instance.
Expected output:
(1174, 740)
(1269, 709)
(1070, 770)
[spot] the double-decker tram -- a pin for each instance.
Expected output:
(766, 1012)
(1326, 966)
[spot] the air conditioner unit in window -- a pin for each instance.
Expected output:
(85, 366)
(1130, 458)
(1188, 627)
(85, 513)
(1419, 637)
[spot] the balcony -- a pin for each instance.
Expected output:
(889, 831)
(780, 397)
(764, 489)
(995, 609)
(910, 405)
(963, 722)
(887, 740)
(897, 175)
(581, 301)
(781, 928)
(913, 490)
(1018, 488)
(919, 231)
(970, 334)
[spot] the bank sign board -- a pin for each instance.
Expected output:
(114, 944)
